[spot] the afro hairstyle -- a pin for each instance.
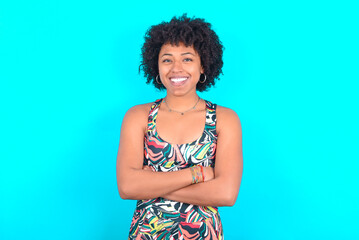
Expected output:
(194, 32)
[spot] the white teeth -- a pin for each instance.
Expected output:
(178, 79)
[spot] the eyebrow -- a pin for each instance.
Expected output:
(187, 53)
(168, 54)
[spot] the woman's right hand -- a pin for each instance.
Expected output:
(208, 173)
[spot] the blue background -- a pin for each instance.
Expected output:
(69, 72)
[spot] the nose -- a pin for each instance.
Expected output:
(177, 66)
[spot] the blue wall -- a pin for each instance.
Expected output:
(69, 72)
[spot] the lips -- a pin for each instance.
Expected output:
(178, 81)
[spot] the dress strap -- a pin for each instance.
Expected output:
(211, 118)
(153, 115)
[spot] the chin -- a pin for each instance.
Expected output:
(180, 92)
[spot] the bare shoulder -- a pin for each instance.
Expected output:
(139, 110)
(137, 116)
(227, 120)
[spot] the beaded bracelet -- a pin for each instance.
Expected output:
(197, 174)
(202, 173)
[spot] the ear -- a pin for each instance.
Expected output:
(202, 70)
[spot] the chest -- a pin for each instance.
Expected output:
(174, 141)
(180, 129)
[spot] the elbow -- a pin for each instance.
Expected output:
(230, 201)
(228, 194)
(125, 191)
(126, 187)
(228, 198)
(123, 194)
(130, 191)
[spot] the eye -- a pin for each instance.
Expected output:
(188, 60)
(166, 60)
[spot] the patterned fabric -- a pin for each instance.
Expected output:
(159, 218)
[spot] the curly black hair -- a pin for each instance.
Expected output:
(194, 32)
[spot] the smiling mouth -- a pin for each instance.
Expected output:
(178, 79)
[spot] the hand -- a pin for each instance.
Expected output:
(208, 173)
(146, 168)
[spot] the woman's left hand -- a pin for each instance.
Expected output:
(146, 168)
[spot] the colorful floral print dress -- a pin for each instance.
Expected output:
(165, 219)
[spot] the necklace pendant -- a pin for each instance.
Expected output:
(182, 113)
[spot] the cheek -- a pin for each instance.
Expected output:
(162, 68)
(197, 70)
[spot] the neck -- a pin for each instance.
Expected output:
(181, 103)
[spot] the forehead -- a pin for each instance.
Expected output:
(181, 48)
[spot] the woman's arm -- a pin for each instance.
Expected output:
(223, 189)
(134, 182)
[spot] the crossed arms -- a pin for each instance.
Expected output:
(222, 182)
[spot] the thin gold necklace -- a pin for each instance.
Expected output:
(182, 113)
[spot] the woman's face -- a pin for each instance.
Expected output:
(179, 69)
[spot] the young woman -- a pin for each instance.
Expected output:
(180, 156)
